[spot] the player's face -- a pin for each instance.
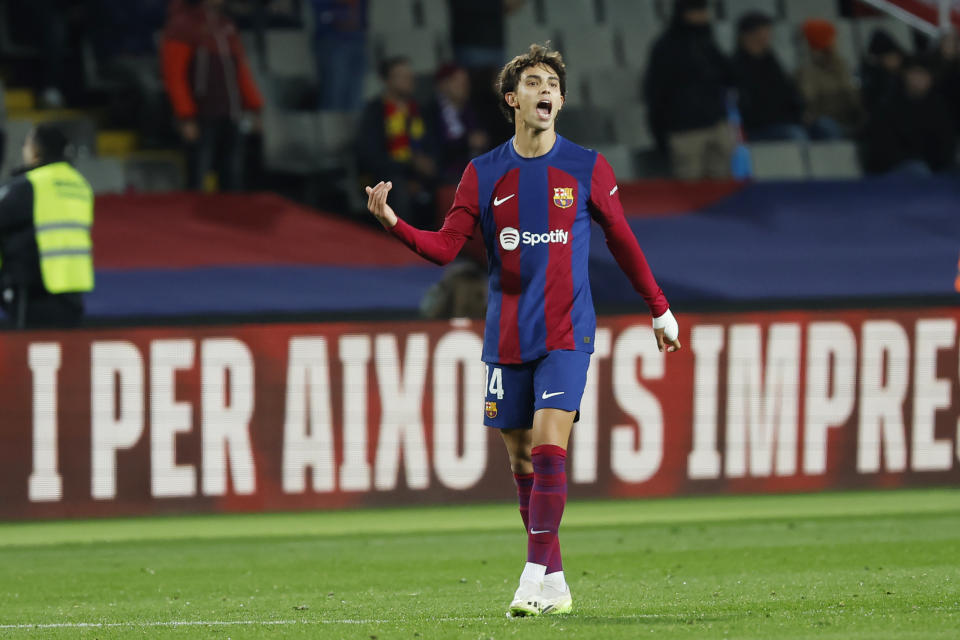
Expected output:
(537, 97)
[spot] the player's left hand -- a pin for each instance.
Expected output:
(667, 331)
(665, 343)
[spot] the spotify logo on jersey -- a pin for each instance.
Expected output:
(509, 238)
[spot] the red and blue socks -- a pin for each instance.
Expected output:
(542, 497)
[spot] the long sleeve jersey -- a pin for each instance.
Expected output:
(535, 215)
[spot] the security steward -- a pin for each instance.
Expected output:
(46, 257)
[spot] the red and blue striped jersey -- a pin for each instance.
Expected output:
(535, 215)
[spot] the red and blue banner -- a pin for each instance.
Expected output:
(318, 416)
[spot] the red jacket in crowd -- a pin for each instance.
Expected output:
(205, 69)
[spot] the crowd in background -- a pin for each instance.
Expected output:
(177, 71)
(904, 110)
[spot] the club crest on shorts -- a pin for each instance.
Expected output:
(491, 410)
(563, 196)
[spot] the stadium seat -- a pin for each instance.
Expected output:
(423, 47)
(801, 10)
(632, 16)
(616, 87)
(524, 17)
(587, 127)
(785, 46)
(725, 35)
(105, 175)
(834, 160)
(778, 161)
(621, 159)
(733, 10)
(290, 141)
(846, 43)
(588, 47)
(335, 136)
(570, 13)
(631, 128)
(372, 85)
(385, 16)
(433, 15)
(900, 31)
(155, 171)
(290, 53)
(576, 87)
(520, 35)
(635, 48)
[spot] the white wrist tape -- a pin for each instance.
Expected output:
(669, 325)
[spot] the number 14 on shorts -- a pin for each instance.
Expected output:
(495, 381)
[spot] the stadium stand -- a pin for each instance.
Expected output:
(606, 42)
(834, 160)
(778, 161)
(587, 47)
(797, 12)
(733, 9)
(638, 17)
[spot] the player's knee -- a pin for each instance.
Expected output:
(521, 461)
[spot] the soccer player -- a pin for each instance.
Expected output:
(534, 198)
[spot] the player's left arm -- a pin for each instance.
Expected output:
(606, 209)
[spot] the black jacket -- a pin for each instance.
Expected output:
(910, 129)
(767, 96)
(687, 81)
(18, 238)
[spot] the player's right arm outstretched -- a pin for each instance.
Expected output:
(439, 247)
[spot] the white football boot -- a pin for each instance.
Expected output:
(553, 601)
(526, 601)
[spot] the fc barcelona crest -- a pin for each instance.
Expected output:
(491, 410)
(563, 197)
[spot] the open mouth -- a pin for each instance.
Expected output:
(544, 108)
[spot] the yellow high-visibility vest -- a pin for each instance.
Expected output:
(63, 218)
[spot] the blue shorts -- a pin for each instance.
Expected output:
(516, 391)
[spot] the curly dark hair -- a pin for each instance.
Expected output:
(510, 74)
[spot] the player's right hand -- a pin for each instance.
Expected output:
(377, 204)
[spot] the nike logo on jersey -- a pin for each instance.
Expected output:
(614, 190)
(547, 396)
(536, 532)
(499, 201)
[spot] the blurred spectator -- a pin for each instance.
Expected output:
(833, 108)
(685, 86)
(340, 41)
(477, 31)
(125, 48)
(461, 293)
(46, 213)
(46, 25)
(880, 71)
(948, 72)
(393, 146)
(452, 120)
(210, 85)
(912, 132)
(770, 103)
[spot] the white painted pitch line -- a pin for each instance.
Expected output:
(244, 623)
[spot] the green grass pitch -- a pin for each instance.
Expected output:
(827, 566)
